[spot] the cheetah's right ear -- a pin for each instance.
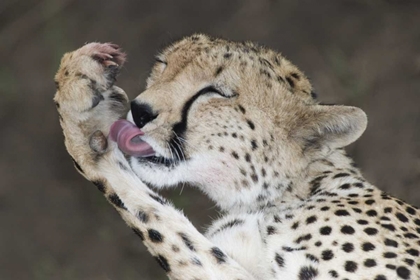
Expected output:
(336, 126)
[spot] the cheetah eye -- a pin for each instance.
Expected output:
(158, 60)
(160, 64)
(212, 89)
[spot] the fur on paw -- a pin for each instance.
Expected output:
(87, 72)
(87, 100)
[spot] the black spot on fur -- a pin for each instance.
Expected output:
(401, 217)
(344, 187)
(367, 246)
(100, 185)
(391, 266)
(290, 82)
(227, 55)
(308, 273)
(233, 223)
(388, 226)
(218, 254)
(279, 260)
(163, 262)
(235, 155)
(155, 236)
(347, 230)
(370, 201)
(305, 237)
(410, 210)
(371, 231)
(391, 243)
(247, 157)
(115, 199)
(142, 216)
(196, 262)
(371, 213)
(340, 175)
(410, 262)
(311, 219)
(333, 273)
(295, 75)
(254, 178)
(138, 233)
(280, 79)
(219, 70)
(350, 266)
(325, 230)
(370, 263)
(410, 235)
(187, 241)
(265, 73)
(250, 124)
(347, 247)
(389, 255)
(312, 258)
(122, 166)
(254, 145)
(403, 272)
(342, 213)
(327, 255)
(242, 109)
(158, 199)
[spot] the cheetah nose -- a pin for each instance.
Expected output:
(142, 113)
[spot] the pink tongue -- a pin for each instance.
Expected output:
(127, 136)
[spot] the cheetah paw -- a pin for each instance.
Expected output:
(87, 100)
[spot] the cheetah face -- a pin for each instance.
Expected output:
(224, 116)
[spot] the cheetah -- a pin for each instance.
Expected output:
(243, 125)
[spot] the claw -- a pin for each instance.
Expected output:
(102, 56)
(114, 46)
(110, 63)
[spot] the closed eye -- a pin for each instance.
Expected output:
(161, 61)
(212, 89)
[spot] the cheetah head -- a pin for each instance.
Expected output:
(234, 119)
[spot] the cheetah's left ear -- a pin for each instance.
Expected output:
(336, 126)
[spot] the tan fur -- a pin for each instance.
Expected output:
(256, 142)
(79, 78)
(275, 93)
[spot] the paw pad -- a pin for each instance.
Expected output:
(98, 142)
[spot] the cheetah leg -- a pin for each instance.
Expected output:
(88, 103)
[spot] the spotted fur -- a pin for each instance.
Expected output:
(241, 123)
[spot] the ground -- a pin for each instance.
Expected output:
(57, 226)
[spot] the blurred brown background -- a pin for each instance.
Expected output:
(55, 225)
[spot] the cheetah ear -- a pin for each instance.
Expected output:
(335, 126)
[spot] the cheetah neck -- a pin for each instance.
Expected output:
(326, 174)
(286, 191)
